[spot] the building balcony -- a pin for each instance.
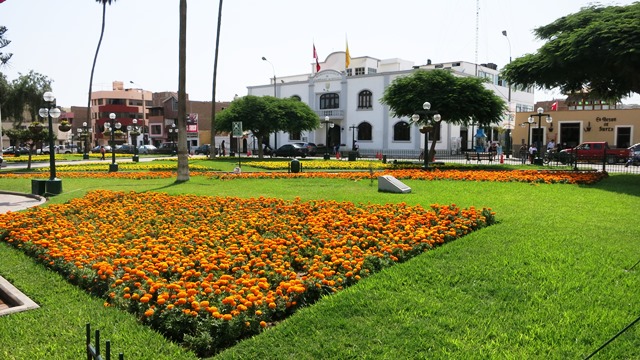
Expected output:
(334, 114)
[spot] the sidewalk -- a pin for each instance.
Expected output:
(12, 201)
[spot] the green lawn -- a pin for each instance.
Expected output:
(549, 281)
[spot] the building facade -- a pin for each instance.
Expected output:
(349, 99)
(571, 126)
(155, 113)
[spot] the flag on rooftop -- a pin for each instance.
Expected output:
(347, 60)
(315, 56)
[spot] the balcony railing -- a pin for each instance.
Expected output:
(332, 113)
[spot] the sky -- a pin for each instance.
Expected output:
(58, 39)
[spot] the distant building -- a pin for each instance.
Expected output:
(349, 97)
(155, 113)
(577, 119)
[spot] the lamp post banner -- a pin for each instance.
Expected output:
(236, 127)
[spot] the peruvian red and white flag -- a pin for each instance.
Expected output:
(554, 106)
(315, 56)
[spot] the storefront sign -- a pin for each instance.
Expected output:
(604, 123)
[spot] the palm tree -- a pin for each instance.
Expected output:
(213, 94)
(183, 156)
(95, 58)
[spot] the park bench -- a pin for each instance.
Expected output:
(479, 156)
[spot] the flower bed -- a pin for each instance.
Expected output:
(207, 271)
(167, 171)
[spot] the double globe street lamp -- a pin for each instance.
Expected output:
(85, 134)
(173, 134)
(112, 127)
(53, 185)
(530, 120)
(426, 111)
(134, 131)
(327, 125)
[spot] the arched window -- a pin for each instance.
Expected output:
(364, 131)
(364, 100)
(296, 97)
(401, 131)
(330, 101)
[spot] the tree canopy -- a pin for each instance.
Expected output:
(4, 57)
(595, 50)
(458, 100)
(263, 115)
(25, 92)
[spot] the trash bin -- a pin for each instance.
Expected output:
(295, 166)
(38, 187)
(384, 159)
(353, 155)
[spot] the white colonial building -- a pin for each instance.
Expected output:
(347, 100)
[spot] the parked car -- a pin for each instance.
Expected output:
(203, 149)
(11, 150)
(168, 148)
(147, 149)
(291, 150)
(597, 151)
(59, 149)
(96, 149)
(125, 149)
(312, 149)
(1, 160)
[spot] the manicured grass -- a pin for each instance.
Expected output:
(548, 281)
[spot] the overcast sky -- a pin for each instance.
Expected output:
(58, 38)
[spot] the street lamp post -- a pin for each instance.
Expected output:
(173, 133)
(113, 126)
(327, 124)
(509, 144)
(134, 131)
(86, 133)
(353, 136)
(427, 128)
(275, 135)
(539, 114)
(53, 185)
(144, 119)
(528, 124)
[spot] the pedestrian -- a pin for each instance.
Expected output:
(551, 145)
(102, 151)
(532, 152)
(523, 153)
(222, 150)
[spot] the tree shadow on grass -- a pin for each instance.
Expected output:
(622, 184)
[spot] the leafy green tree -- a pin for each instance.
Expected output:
(28, 138)
(26, 96)
(4, 57)
(458, 100)
(263, 115)
(596, 50)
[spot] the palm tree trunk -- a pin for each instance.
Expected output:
(93, 67)
(183, 156)
(215, 73)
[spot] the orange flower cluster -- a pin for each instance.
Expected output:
(529, 176)
(229, 261)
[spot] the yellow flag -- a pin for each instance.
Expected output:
(347, 59)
